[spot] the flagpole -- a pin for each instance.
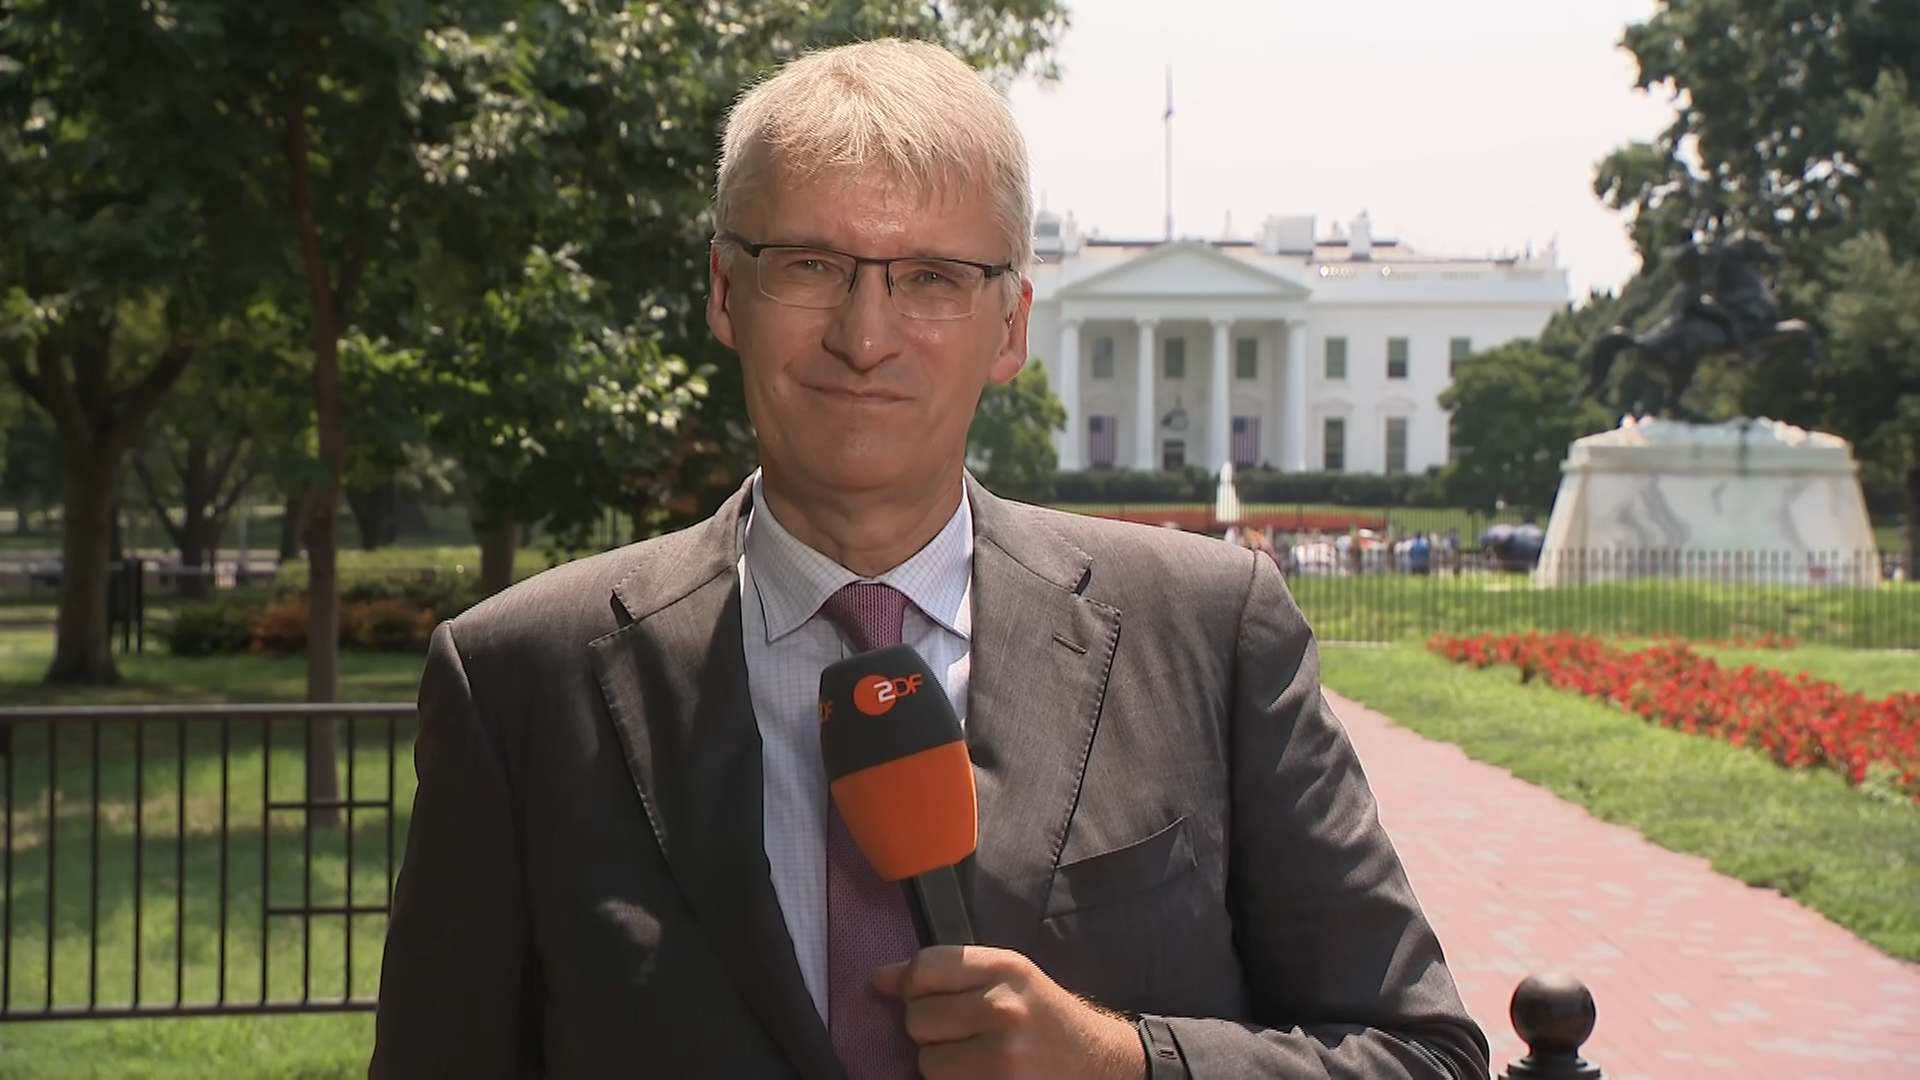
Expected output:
(1168, 120)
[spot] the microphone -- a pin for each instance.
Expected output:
(898, 768)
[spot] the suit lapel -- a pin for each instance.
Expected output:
(1040, 656)
(675, 681)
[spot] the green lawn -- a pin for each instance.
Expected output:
(156, 677)
(1400, 607)
(1852, 855)
(1868, 671)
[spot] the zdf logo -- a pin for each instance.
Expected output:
(875, 694)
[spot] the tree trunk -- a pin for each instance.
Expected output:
(323, 652)
(290, 527)
(498, 545)
(1910, 563)
(374, 510)
(82, 651)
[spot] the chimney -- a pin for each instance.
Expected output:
(1289, 234)
(1360, 244)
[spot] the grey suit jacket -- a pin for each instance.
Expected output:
(1172, 822)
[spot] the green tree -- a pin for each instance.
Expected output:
(1512, 422)
(225, 429)
(1011, 436)
(127, 229)
(547, 406)
(1872, 305)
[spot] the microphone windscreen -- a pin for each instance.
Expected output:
(897, 762)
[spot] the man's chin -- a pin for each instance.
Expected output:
(870, 467)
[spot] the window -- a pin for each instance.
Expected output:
(1173, 367)
(1173, 454)
(1246, 358)
(1103, 358)
(1336, 358)
(1244, 446)
(1334, 444)
(1396, 358)
(1396, 444)
(1103, 441)
(1458, 349)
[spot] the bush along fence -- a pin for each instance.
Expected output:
(172, 861)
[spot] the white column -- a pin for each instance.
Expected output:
(1066, 385)
(1296, 445)
(1219, 420)
(1146, 426)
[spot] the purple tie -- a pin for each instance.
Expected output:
(868, 924)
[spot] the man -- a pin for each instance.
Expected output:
(623, 861)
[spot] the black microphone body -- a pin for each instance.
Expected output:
(939, 909)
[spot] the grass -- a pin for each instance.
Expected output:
(302, 956)
(1398, 607)
(1852, 855)
(155, 677)
(1870, 672)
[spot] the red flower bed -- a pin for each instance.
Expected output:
(1200, 519)
(1798, 720)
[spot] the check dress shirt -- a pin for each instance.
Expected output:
(783, 582)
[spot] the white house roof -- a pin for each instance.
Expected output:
(1181, 268)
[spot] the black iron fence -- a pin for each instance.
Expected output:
(177, 861)
(173, 860)
(1853, 600)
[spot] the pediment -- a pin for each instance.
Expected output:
(1185, 269)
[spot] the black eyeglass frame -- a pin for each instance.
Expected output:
(753, 251)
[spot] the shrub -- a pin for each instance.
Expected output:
(211, 627)
(280, 628)
(392, 625)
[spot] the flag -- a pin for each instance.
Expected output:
(1245, 449)
(1103, 444)
(1169, 115)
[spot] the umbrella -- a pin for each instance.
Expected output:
(1226, 497)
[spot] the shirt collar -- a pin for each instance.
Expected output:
(793, 580)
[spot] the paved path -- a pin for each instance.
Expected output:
(1696, 976)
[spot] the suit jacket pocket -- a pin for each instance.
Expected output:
(1121, 872)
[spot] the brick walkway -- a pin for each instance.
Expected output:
(1696, 976)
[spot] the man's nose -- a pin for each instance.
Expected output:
(865, 329)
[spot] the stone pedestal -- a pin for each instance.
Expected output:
(1744, 500)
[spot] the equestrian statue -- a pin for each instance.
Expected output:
(1723, 307)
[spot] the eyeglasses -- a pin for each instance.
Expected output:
(822, 279)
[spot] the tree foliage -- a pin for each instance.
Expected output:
(1801, 122)
(1512, 421)
(1012, 436)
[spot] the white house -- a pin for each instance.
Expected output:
(1289, 350)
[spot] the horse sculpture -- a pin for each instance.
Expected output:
(1728, 311)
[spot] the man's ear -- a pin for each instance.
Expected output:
(719, 297)
(1013, 347)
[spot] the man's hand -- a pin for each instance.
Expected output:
(980, 1013)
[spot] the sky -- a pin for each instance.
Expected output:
(1468, 127)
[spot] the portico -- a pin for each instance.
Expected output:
(1182, 356)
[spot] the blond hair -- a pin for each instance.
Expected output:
(911, 109)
